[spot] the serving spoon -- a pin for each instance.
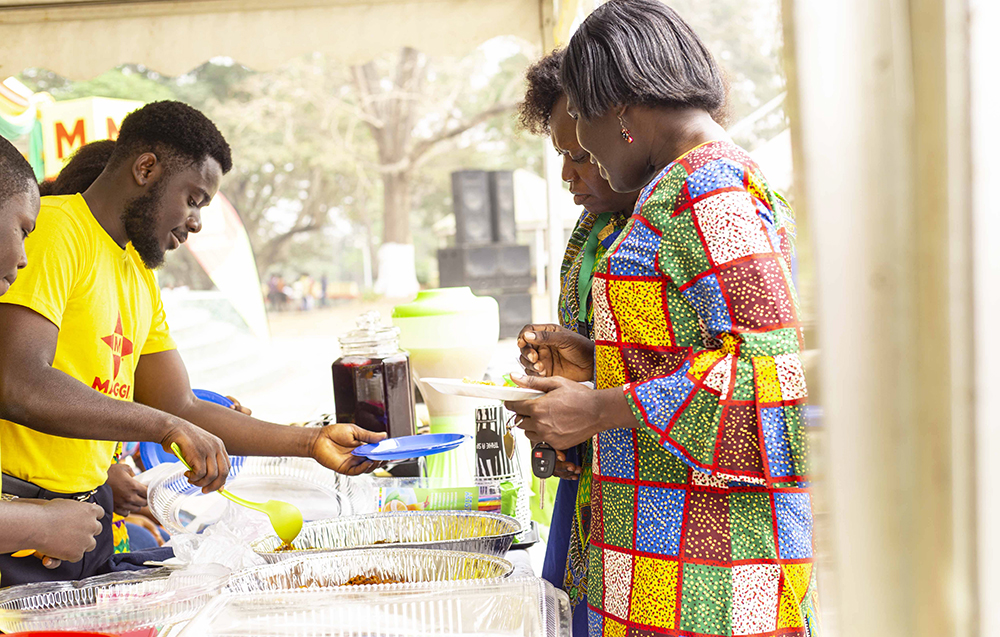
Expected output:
(285, 517)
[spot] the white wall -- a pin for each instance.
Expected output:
(985, 54)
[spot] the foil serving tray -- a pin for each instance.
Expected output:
(467, 531)
(395, 566)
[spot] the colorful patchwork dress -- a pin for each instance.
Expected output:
(566, 549)
(701, 516)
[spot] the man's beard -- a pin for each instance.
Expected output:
(140, 220)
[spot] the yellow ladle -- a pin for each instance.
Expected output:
(285, 517)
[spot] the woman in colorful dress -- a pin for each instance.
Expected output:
(701, 515)
(543, 112)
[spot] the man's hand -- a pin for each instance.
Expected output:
(204, 452)
(333, 444)
(246, 411)
(129, 494)
(569, 413)
(551, 350)
(66, 530)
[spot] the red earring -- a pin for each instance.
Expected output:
(626, 134)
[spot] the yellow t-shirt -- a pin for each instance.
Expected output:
(107, 307)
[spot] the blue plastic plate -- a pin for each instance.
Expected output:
(152, 453)
(212, 397)
(411, 446)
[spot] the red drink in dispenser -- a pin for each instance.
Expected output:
(372, 384)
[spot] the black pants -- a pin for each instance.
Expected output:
(25, 570)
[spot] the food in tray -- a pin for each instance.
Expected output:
(358, 580)
(370, 580)
(285, 548)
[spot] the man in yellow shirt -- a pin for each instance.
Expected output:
(61, 529)
(86, 356)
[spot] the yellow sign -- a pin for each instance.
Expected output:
(66, 126)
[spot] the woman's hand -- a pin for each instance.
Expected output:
(565, 470)
(129, 494)
(569, 413)
(551, 350)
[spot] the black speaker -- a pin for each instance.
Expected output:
(485, 267)
(502, 203)
(470, 192)
(515, 312)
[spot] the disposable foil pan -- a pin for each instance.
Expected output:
(393, 565)
(512, 607)
(318, 492)
(117, 602)
(469, 531)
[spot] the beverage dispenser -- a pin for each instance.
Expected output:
(449, 333)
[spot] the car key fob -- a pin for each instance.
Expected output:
(543, 460)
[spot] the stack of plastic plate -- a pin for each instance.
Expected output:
(513, 607)
(318, 492)
(113, 603)
(472, 532)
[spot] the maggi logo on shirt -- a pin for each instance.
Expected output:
(118, 390)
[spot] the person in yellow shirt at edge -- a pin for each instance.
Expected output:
(62, 529)
(86, 357)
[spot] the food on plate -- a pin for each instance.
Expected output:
(507, 382)
(469, 381)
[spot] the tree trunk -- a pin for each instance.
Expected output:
(397, 202)
(390, 113)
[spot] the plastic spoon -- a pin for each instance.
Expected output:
(285, 518)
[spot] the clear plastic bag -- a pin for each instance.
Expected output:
(226, 542)
(318, 492)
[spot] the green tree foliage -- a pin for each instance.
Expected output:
(308, 175)
(745, 37)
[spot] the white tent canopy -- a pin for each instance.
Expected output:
(83, 38)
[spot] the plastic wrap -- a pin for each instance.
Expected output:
(226, 542)
(318, 492)
(399, 565)
(472, 532)
(522, 607)
(111, 603)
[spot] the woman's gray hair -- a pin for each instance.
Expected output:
(639, 52)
